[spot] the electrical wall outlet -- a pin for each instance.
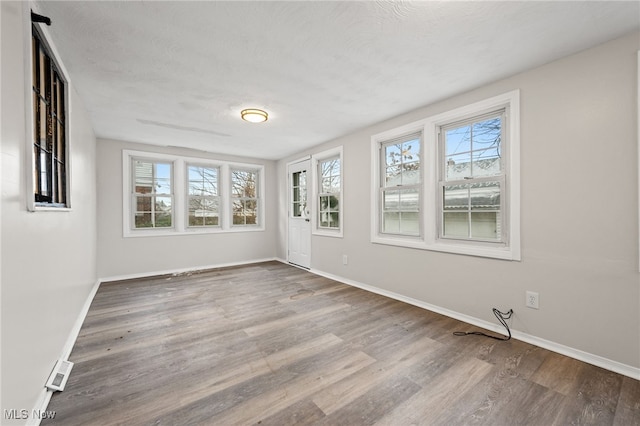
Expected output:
(532, 300)
(345, 260)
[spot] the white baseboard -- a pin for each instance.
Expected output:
(45, 394)
(608, 364)
(39, 407)
(183, 270)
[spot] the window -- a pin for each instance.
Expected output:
(244, 192)
(401, 185)
(327, 189)
(299, 194)
(451, 182)
(152, 194)
(165, 194)
(49, 127)
(472, 179)
(329, 193)
(203, 197)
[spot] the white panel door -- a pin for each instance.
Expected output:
(299, 216)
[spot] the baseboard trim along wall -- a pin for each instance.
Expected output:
(183, 270)
(608, 364)
(617, 367)
(45, 395)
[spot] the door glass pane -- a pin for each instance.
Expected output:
(299, 193)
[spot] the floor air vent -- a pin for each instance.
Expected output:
(59, 375)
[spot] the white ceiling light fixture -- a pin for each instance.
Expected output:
(254, 115)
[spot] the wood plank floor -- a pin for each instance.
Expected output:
(271, 344)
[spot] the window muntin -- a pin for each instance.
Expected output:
(472, 179)
(197, 189)
(244, 194)
(152, 194)
(203, 197)
(49, 127)
(329, 188)
(482, 197)
(401, 185)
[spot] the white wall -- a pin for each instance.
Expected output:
(119, 256)
(579, 189)
(48, 258)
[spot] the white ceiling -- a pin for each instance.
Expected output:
(178, 73)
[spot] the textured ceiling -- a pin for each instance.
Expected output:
(178, 73)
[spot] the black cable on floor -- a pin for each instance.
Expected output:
(502, 318)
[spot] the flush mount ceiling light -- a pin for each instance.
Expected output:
(254, 115)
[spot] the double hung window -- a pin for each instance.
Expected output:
(401, 185)
(244, 192)
(203, 196)
(152, 194)
(167, 194)
(451, 182)
(472, 179)
(329, 188)
(327, 193)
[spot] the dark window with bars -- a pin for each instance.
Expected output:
(49, 128)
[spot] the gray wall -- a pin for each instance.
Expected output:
(579, 212)
(48, 258)
(118, 256)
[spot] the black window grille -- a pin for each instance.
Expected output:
(49, 127)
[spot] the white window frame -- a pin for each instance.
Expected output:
(32, 205)
(258, 198)
(315, 182)
(134, 195)
(219, 179)
(430, 239)
(378, 141)
(502, 113)
(180, 195)
(419, 186)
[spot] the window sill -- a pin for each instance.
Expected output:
(45, 208)
(502, 253)
(328, 233)
(138, 233)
